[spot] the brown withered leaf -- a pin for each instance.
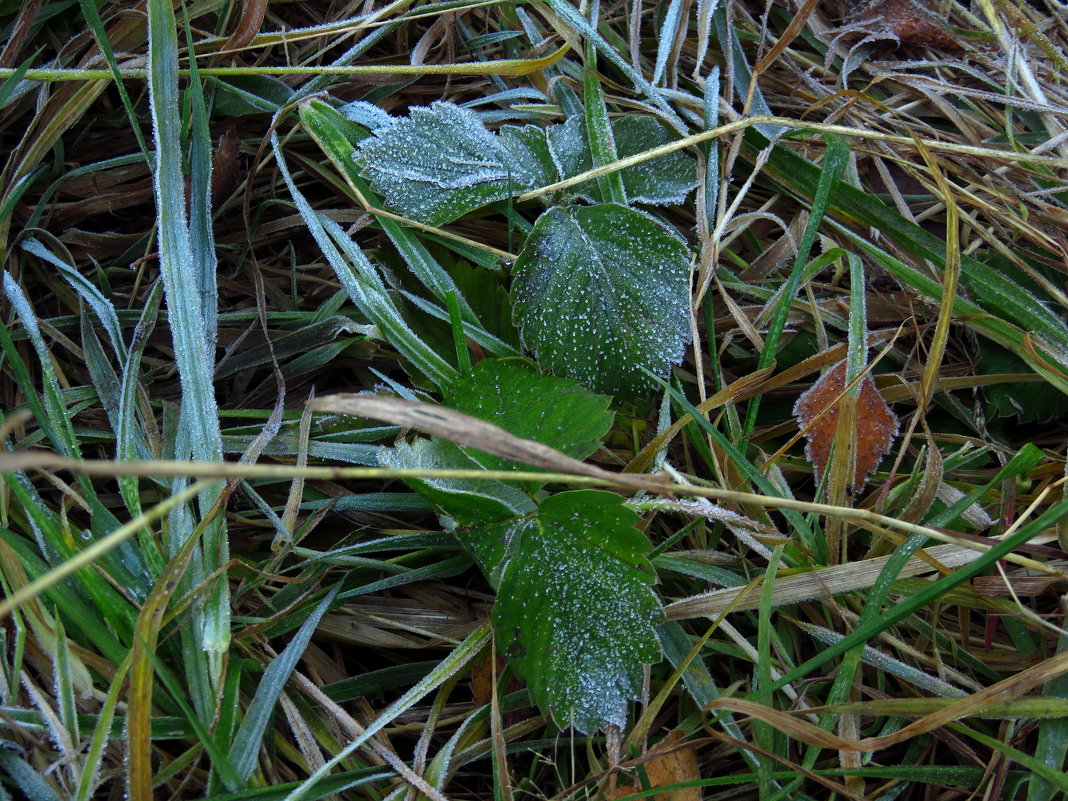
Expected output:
(1023, 586)
(904, 21)
(876, 424)
(667, 762)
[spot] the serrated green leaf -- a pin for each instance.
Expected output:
(529, 145)
(602, 293)
(574, 612)
(662, 181)
(467, 502)
(440, 163)
(1030, 402)
(555, 411)
(570, 149)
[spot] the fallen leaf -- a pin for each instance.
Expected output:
(667, 762)
(904, 21)
(876, 424)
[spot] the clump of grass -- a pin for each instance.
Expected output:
(194, 251)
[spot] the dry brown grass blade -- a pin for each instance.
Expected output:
(467, 431)
(1000, 693)
(252, 14)
(816, 584)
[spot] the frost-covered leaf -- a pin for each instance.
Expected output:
(465, 501)
(554, 411)
(570, 147)
(509, 393)
(574, 612)
(876, 424)
(602, 292)
(367, 114)
(440, 163)
(529, 147)
(662, 181)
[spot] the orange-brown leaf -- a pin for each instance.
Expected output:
(876, 424)
(667, 762)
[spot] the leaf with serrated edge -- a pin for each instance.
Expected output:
(574, 611)
(876, 424)
(602, 292)
(662, 181)
(467, 502)
(557, 412)
(440, 163)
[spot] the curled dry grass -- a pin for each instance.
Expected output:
(964, 142)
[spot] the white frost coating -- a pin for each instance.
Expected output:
(895, 667)
(367, 114)
(575, 611)
(603, 292)
(440, 163)
(740, 525)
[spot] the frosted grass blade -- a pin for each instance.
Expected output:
(182, 265)
(182, 291)
(599, 132)
(448, 667)
(363, 284)
(246, 745)
(53, 413)
(669, 33)
(101, 306)
(834, 163)
(100, 34)
(570, 15)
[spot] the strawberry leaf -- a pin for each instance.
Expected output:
(442, 162)
(575, 613)
(602, 294)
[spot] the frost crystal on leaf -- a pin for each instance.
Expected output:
(575, 612)
(602, 292)
(440, 163)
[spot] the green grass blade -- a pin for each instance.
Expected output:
(94, 755)
(448, 667)
(895, 614)
(834, 163)
(96, 26)
(857, 338)
(1001, 309)
(25, 778)
(52, 413)
(183, 291)
(1052, 745)
(364, 286)
(183, 263)
(599, 131)
(246, 745)
(569, 14)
